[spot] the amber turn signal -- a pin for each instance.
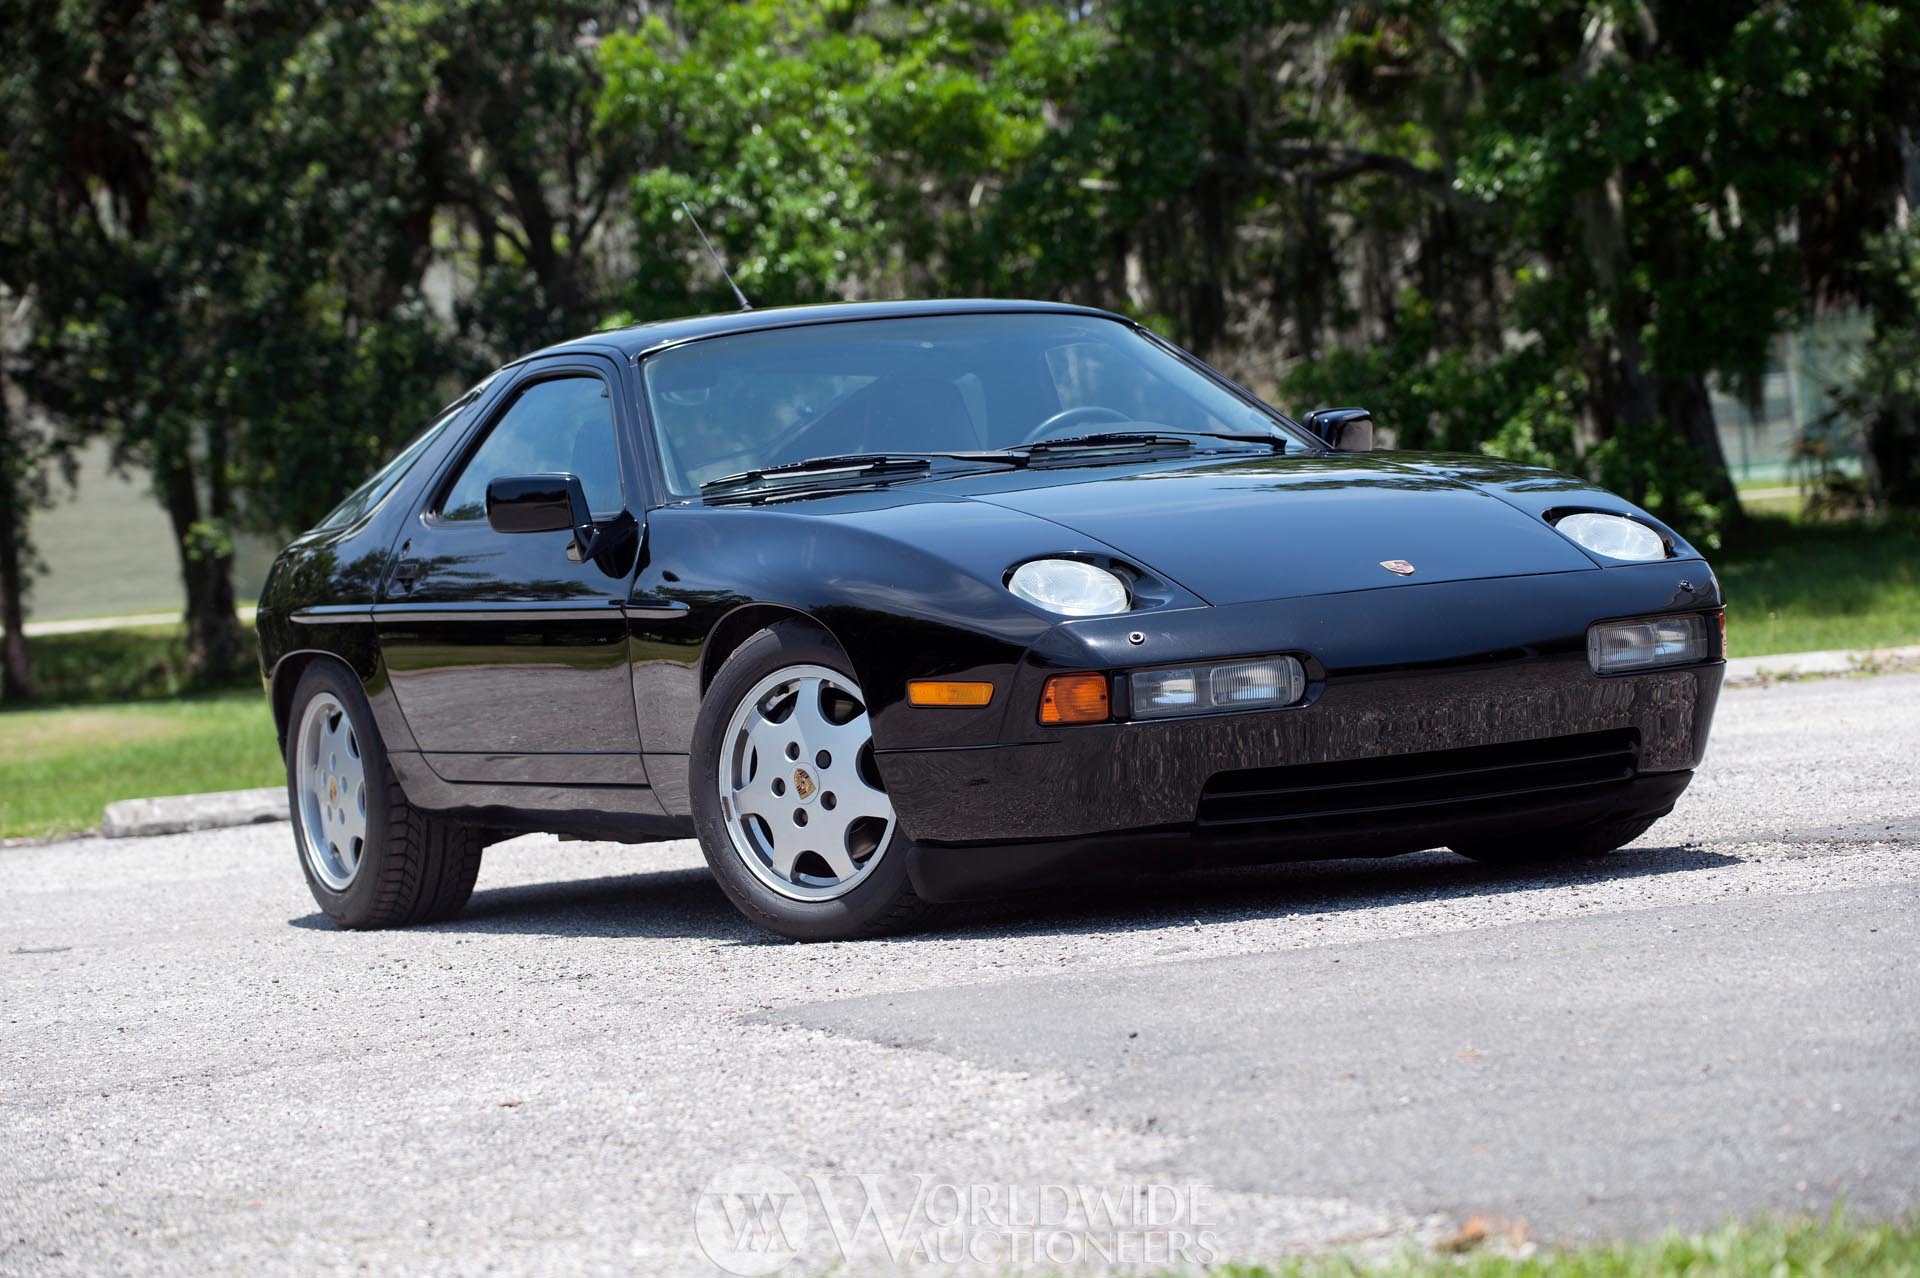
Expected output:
(948, 692)
(1075, 698)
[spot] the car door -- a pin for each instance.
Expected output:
(508, 659)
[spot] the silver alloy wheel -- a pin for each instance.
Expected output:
(803, 805)
(330, 776)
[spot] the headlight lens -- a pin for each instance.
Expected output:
(1614, 536)
(1069, 587)
(1217, 686)
(1620, 647)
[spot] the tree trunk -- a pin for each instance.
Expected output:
(16, 671)
(214, 642)
(1686, 408)
(1636, 393)
(17, 683)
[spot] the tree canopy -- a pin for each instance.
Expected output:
(254, 243)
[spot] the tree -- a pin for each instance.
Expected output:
(30, 454)
(129, 290)
(225, 277)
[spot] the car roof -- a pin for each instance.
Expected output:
(639, 339)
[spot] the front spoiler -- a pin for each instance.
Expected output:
(962, 873)
(1122, 777)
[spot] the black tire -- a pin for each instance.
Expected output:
(415, 867)
(1565, 843)
(881, 903)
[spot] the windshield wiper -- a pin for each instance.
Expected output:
(1105, 439)
(1278, 443)
(1143, 439)
(878, 467)
(855, 466)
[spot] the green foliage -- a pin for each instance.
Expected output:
(1806, 585)
(1884, 391)
(1652, 463)
(829, 150)
(122, 664)
(258, 242)
(60, 767)
(1769, 1249)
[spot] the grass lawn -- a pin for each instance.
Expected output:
(60, 766)
(1799, 1250)
(127, 663)
(1796, 586)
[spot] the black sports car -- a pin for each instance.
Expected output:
(899, 603)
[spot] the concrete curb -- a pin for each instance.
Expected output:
(180, 813)
(1788, 666)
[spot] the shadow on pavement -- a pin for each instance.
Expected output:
(687, 902)
(662, 903)
(1304, 888)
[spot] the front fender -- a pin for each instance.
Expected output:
(1537, 491)
(904, 598)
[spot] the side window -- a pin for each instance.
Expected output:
(565, 423)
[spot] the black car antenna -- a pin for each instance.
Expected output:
(745, 305)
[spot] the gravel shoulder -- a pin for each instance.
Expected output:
(200, 1076)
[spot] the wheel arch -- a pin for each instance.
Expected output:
(286, 677)
(746, 621)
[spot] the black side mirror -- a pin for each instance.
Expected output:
(543, 503)
(1346, 430)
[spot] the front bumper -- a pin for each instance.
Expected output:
(983, 816)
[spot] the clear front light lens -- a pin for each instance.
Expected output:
(1619, 647)
(1614, 536)
(1069, 587)
(1217, 686)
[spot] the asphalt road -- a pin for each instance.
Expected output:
(197, 1075)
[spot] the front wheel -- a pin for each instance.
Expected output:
(371, 858)
(792, 815)
(1567, 843)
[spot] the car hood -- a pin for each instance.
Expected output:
(1247, 529)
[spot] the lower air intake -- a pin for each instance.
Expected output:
(1421, 788)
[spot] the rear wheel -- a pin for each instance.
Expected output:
(371, 858)
(1566, 843)
(791, 812)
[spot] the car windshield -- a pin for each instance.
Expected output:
(940, 384)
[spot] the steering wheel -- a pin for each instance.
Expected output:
(1059, 423)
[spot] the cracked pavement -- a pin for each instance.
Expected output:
(200, 1076)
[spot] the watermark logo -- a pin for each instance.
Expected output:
(750, 1219)
(753, 1220)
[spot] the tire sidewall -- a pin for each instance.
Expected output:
(875, 896)
(355, 906)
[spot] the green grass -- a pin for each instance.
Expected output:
(1766, 1250)
(60, 766)
(130, 664)
(1801, 586)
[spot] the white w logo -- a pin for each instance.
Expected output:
(756, 1221)
(750, 1219)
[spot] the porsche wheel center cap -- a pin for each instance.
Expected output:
(804, 785)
